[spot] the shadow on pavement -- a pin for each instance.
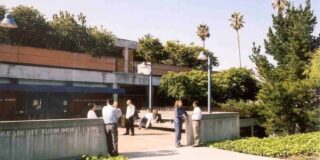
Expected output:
(150, 134)
(158, 153)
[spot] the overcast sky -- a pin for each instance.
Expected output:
(176, 20)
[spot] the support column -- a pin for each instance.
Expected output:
(126, 59)
(252, 130)
(115, 95)
(150, 92)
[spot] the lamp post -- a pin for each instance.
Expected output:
(203, 57)
(8, 21)
(150, 87)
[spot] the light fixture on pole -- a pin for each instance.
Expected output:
(203, 57)
(8, 21)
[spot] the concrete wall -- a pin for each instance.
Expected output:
(219, 126)
(51, 139)
(61, 74)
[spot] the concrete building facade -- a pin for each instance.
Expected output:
(40, 83)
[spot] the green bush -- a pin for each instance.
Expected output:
(294, 145)
(103, 157)
(64, 32)
(245, 108)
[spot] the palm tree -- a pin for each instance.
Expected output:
(237, 23)
(203, 33)
(279, 5)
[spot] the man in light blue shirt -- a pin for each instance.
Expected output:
(111, 115)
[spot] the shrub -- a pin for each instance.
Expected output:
(294, 145)
(245, 108)
(103, 157)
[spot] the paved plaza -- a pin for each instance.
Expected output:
(159, 145)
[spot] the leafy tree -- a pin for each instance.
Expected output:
(183, 55)
(235, 83)
(101, 42)
(33, 28)
(245, 108)
(285, 97)
(175, 85)
(64, 32)
(151, 49)
(237, 23)
(72, 35)
(3, 31)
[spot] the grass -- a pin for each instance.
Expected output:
(307, 144)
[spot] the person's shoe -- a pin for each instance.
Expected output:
(125, 134)
(196, 145)
(132, 134)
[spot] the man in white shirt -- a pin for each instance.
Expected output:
(91, 113)
(111, 115)
(146, 120)
(196, 119)
(130, 118)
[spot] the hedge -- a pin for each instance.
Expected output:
(307, 144)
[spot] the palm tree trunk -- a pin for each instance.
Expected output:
(239, 47)
(203, 44)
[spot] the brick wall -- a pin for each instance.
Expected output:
(46, 57)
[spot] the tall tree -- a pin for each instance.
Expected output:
(237, 23)
(285, 98)
(203, 33)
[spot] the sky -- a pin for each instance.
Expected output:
(176, 20)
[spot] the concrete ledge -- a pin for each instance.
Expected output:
(51, 139)
(219, 126)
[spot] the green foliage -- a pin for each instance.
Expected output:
(290, 41)
(235, 83)
(183, 55)
(184, 85)
(203, 32)
(236, 21)
(293, 145)
(151, 49)
(32, 30)
(64, 32)
(314, 69)
(286, 106)
(287, 103)
(245, 108)
(102, 157)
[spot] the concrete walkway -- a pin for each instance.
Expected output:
(159, 145)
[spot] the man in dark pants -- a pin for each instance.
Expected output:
(180, 113)
(111, 116)
(130, 118)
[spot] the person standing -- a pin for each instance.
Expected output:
(91, 113)
(196, 119)
(111, 116)
(180, 113)
(130, 118)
